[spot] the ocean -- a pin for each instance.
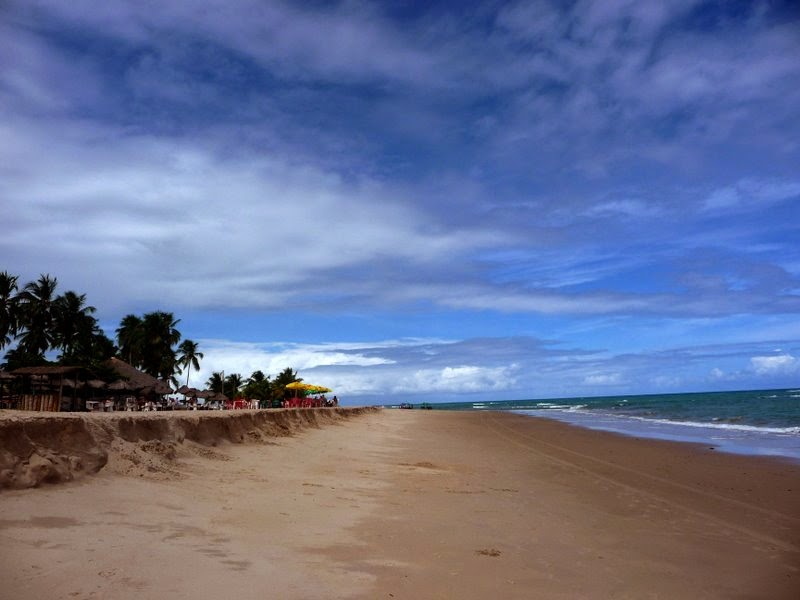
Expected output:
(764, 422)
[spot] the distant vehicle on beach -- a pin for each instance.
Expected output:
(406, 405)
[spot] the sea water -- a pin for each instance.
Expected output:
(765, 422)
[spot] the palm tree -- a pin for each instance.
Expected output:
(130, 339)
(258, 386)
(216, 382)
(37, 308)
(189, 358)
(232, 383)
(280, 382)
(257, 378)
(160, 338)
(8, 308)
(287, 376)
(101, 349)
(73, 325)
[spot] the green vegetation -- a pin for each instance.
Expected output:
(39, 321)
(190, 358)
(269, 392)
(35, 321)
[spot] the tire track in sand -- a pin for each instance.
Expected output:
(529, 443)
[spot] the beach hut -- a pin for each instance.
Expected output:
(5, 389)
(191, 394)
(43, 387)
(146, 386)
(217, 400)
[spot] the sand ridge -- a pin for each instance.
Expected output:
(38, 448)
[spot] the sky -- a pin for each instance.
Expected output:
(421, 201)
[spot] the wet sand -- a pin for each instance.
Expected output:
(410, 504)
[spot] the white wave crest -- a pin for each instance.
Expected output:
(733, 426)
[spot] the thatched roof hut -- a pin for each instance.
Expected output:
(121, 386)
(54, 376)
(43, 386)
(50, 371)
(136, 379)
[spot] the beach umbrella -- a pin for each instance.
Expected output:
(296, 385)
(307, 388)
(159, 388)
(162, 387)
(319, 389)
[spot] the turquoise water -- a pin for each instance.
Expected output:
(765, 422)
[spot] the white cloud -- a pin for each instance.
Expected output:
(488, 368)
(627, 208)
(180, 217)
(603, 379)
(451, 380)
(771, 365)
(344, 43)
(752, 194)
(355, 369)
(272, 358)
(281, 158)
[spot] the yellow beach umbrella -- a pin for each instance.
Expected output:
(296, 385)
(307, 388)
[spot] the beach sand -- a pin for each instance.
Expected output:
(391, 504)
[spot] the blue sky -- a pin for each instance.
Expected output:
(423, 201)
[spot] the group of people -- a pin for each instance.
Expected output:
(318, 402)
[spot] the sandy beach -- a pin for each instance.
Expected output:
(387, 504)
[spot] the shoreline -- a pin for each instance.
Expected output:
(743, 441)
(411, 504)
(759, 422)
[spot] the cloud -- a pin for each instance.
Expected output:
(177, 216)
(778, 364)
(457, 380)
(354, 369)
(602, 379)
(752, 195)
(493, 367)
(358, 43)
(628, 207)
(272, 358)
(527, 164)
